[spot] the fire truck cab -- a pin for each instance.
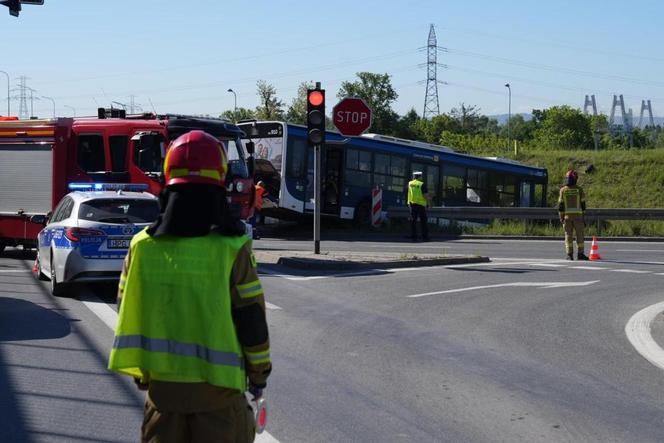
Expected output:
(39, 158)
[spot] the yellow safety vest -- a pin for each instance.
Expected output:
(571, 198)
(175, 320)
(415, 195)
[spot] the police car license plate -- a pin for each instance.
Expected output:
(119, 243)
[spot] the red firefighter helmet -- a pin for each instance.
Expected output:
(571, 177)
(195, 157)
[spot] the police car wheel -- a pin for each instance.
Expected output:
(40, 271)
(56, 288)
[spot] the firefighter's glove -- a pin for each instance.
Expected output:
(255, 392)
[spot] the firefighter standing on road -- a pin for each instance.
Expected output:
(571, 206)
(191, 326)
(259, 195)
(418, 206)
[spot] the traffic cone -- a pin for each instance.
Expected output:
(594, 250)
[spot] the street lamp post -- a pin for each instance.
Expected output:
(235, 98)
(72, 109)
(8, 109)
(52, 101)
(509, 115)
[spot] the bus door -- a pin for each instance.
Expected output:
(431, 177)
(331, 184)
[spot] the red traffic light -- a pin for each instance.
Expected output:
(316, 98)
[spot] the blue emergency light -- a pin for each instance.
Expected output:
(129, 187)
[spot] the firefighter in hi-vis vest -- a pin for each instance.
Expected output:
(191, 328)
(417, 202)
(571, 206)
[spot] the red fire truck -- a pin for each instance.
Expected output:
(39, 158)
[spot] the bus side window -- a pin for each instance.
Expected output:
(90, 153)
(297, 155)
(454, 184)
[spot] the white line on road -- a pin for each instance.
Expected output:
(271, 306)
(15, 270)
(639, 250)
(543, 285)
(639, 335)
(110, 318)
(100, 309)
(631, 271)
(549, 265)
(589, 268)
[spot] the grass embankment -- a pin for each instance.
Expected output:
(617, 179)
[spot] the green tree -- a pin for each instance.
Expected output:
(563, 127)
(239, 114)
(520, 129)
(270, 108)
(406, 125)
(430, 130)
(377, 91)
(297, 111)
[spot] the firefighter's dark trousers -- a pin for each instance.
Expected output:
(573, 224)
(418, 211)
(232, 422)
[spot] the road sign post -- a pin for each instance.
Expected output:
(352, 117)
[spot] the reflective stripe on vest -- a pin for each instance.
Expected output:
(572, 201)
(415, 195)
(178, 348)
(175, 321)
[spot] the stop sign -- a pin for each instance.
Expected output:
(351, 116)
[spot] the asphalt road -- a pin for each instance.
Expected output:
(526, 348)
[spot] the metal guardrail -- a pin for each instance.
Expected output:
(483, 213)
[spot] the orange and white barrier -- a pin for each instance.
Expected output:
(376, 206)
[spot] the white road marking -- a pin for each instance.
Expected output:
(639, 250)
(549, 265)
(589, 268)
(271, 306)
(631, 271)
(100, 309)
(659, 273)
(15, 270)
(639, 335)
(543, 285)
(110, 318)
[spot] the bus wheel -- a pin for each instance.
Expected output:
(363, 214)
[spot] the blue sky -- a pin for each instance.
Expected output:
(182, 56)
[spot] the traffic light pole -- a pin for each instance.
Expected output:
(317, 177)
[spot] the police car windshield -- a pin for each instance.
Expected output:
(119, 210)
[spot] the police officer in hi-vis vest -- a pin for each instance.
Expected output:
(571, 206)
(191, 327)
(418, 206)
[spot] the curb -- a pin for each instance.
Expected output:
(334, 265)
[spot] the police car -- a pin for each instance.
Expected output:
(88, 234)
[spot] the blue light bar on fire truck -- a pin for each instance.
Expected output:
(129, 187)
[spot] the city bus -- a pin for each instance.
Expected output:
(353, 166)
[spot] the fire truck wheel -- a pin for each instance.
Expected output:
(56, 288)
